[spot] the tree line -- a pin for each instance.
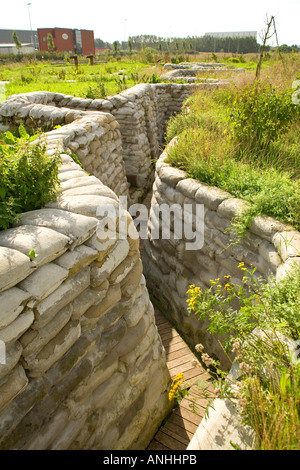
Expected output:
(190, 45)
(204, 43)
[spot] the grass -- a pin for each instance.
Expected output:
(95, 81)
(104, 79)
(245, 140)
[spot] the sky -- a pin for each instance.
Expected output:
(116, 20)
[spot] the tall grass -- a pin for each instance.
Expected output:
(275, 412)
(244, 139)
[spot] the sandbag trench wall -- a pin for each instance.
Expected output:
(140, 116)
(84, 365)
(170, 268)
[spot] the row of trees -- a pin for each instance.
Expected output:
(207, 43)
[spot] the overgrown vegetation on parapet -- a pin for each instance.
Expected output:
(244, 139)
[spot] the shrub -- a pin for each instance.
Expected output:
(28, 176)
(96, 92)
(260, 113)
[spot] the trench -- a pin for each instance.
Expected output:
(177, 430)
(179, 427)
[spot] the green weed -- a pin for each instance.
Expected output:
(28, 176)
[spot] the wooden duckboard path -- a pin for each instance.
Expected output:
(182, 423)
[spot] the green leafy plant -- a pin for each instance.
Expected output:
(32, 255)
(96, 92)
(28, 176)
(121, 84)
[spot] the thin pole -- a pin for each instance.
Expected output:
(32, 40)
(125, 29)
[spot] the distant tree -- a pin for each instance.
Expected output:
(295, 48)
(129, 44)
(116, 47)
(17, 41)
(50, 42)
(100, 44)
(285, 48)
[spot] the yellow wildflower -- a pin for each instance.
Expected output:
(176, 383)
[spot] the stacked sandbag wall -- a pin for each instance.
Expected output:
(83, 366)
(208, 250)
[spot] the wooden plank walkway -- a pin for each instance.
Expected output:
(182, 423)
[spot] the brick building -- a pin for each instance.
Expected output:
(78, 41)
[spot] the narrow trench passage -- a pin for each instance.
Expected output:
(180, 426)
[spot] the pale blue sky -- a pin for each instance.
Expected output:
(117, 19)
